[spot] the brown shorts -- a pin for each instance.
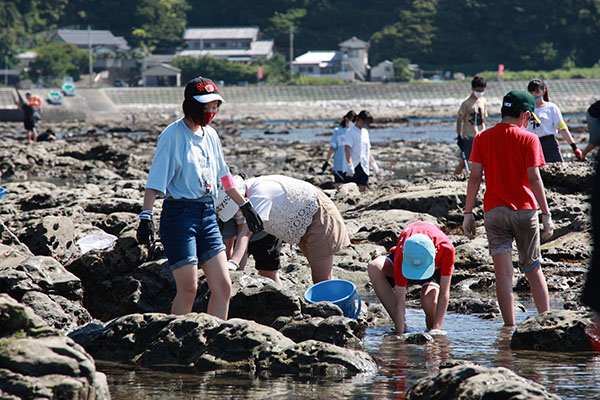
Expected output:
(326, 234)
(502, 224)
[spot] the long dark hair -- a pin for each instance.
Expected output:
(350, 116)
(536, 84)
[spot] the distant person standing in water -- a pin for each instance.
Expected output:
(357, 148)
(336, 148)
(593, 123)
(510, 157)
(187, 164)
(471, 120)
(550, 122)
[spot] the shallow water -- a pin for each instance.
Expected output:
(469, 338)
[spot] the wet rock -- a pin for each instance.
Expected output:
(37, 361)
(376, 315)
(471, 305)
(337, 330)
(261, 300)
(470, 381)
(560, 330)
(323, 309)
(418, 338)
(47, 287)
(312, 358)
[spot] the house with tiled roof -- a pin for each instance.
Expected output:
(236, 44)
(99, 40)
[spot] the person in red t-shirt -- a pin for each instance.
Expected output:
(510, 157)
(424, 255)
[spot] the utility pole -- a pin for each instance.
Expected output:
(291, 51)
(90, 52)
(6, 70)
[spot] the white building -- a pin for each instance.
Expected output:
(236, 44)
(350, 63)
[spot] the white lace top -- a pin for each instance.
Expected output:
(286, 205)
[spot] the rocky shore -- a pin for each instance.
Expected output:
(113, 302)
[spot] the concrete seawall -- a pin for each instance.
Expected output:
(424, 98)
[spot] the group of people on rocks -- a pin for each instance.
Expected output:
(214, 220)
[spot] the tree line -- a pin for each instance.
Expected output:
(458, 35)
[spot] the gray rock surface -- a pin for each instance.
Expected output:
(473, 382)
(202, 342)
(560, 330)
(38, 362)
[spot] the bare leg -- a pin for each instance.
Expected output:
(219, 283)
(460, 167)
(429, 301)
(379, 269)
(186, 280)
(539, 289)
(587, 149)
(504, 272)
(229, 246)
(321, 269)
(274, 275)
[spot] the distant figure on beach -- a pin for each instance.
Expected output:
(471, 120)
(593, 122)
(187, 163)
(336, 148)
(550, 121)
(357, 148)
(29, 117)
(510, 157)
(295, 212)
(46, 136)
(423, 255)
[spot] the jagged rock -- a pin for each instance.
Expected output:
(470, 381)
(47, 287)
(202, 342)
(337, 330)
(559, 330)
(52, 236)
(418, 338)
(471, 305)
(312, 358)
(36, 361)
(570, 176)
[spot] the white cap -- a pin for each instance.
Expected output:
(225, 206)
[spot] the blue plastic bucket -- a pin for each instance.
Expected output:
(2, 193)
(340, 292)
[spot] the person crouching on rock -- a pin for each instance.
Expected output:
(423, 255)
(187, 163)
(295, 212)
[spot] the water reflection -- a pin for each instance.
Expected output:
(485, 342)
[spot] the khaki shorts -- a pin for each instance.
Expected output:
(502, 224)
(326, 234)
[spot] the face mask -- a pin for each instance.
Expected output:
(478, 94)
(538, 99)
(208, 116)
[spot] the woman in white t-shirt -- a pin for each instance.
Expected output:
(551, 122)
(336, 148)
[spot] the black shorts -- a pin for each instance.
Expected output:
(266, 253)
(29, 124)
(435, 278)
(340, 177)
(360, 177)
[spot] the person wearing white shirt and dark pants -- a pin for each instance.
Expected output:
(358, 151)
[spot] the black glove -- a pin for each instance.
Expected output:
(459, 141)
(325, 166)
(146, 231)
(252, 218)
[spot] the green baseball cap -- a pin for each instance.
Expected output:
(520, 100)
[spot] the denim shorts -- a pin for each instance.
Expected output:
(189, 231)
